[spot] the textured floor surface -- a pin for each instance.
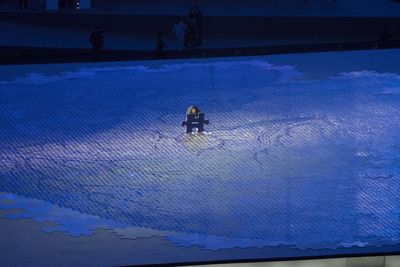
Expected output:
(301, 150)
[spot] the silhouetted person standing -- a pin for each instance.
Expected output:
(179, 31)
(199, 24)
(97, 41)
(384, 39)
(160, 46)
(23, 4)
(191, 34)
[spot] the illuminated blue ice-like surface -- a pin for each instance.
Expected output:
(301, 150)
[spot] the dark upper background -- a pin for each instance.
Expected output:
(240, 27)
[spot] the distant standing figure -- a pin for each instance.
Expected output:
(23, 4)
(384, 38)
(191, 33)
(179, 32)
(97, 41)
(199, 22)
(191, 17)
(160, 45)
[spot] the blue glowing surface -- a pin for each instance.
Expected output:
(301, 150)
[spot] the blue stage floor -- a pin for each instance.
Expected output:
(301, 156)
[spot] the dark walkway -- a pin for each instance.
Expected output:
(32, 55)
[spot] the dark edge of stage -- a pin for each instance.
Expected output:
(41, 55)
(388, 250)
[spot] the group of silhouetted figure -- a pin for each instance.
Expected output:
(187, 30)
